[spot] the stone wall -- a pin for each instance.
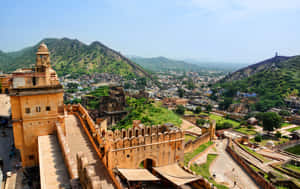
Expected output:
(261, 181)
(192, 145)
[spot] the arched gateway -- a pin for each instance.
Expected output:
(127, 151)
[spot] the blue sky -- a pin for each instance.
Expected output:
(215, 30)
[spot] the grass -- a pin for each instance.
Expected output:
(148, 113)
(221, 119)
(285, 124)
(293, 167)
(203, 170)
(189, 137)
(263, 142)
(257, 155)
(245, 131)
(188, 156)
(293, 129)
(294, 149)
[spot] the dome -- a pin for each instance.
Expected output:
(43, 49)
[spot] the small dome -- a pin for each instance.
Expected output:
(43, 49)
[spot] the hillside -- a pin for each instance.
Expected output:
(271, 80)
(74, 57)
(162, 64)
(255, 68)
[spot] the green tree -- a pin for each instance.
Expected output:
(284, 113)
(226, 103)
(258, 138)
(180, 109)
(180, 92)
(271, 120)
(200, 122)
(198, 110)
(278, 134)
(208, 107)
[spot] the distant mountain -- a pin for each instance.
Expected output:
(256, 68)
(163, 64)
(271, 80)
(70, 56)
(217, 65)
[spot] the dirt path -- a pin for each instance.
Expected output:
(227, 170)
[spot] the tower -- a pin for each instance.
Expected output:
(36, 105)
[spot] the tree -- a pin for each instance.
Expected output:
(284, 113)
(200, 122)
(278, 134)
(198, 110)
(271, 120)
(258, 138)
(225, 103)
(209, 107)
(180, 109)
(180, 92)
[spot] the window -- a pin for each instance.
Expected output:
(38, 109)
(48, 108)
(27, 110)
(31, 157)
(33, 81)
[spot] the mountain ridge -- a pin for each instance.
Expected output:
(75, 57)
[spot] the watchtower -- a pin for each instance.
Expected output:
(36, 105)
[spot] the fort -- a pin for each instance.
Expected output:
(72, 150)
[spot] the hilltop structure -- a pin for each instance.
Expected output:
(36, 105)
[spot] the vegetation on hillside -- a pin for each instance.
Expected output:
(93, 103)
(149, 114)
(271, 85)
(75, 58)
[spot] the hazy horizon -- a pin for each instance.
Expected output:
(204, 30)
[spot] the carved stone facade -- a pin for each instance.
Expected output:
(36, 105)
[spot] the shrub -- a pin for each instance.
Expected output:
(258, 138)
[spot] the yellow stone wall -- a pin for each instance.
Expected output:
(40, 121)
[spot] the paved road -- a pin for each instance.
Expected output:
(227, 170)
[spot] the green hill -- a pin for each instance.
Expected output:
(74, 57)
(271, 83)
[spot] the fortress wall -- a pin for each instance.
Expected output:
(128, 148)
(87, 173)
(192, 145)
(69, 161)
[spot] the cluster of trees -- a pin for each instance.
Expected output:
(270, 120)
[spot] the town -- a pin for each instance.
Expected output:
(184, 94)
